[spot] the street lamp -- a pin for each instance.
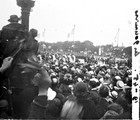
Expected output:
(26, 6)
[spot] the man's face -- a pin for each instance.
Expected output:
(36, 79)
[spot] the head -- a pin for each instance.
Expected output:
(80, 89)
(93, 83)
(55, 82)
(33, 32)
(104, 91)
(42, 79)
(14, 18)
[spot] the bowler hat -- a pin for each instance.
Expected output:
(13, 18)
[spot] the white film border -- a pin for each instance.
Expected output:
(136, 67)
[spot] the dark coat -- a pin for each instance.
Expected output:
(8, 38)
(89, 109)
(41, 108)
(38, 108)
(12, 30)
(102, 107)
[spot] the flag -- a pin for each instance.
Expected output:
(43, 33)
(117, 37)
(71, 33)
(68, 35)
(73, 30)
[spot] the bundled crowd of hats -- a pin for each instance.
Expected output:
(63, 71)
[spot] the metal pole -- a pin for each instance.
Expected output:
(26, 6)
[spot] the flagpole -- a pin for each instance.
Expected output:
(74, 34)
(118, 37)
(68, 36)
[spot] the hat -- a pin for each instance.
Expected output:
(52, 74)
(78, 70)
(54, 80)
(93, 82)
(91, 72)
(13, 18)
(79, 79)
(101, 73)
(65, 67)
(94, 79)
(120, 84)
(118, 77)
(114, 94)
(80, 87)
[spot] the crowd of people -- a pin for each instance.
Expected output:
(72, 90)
(63, 87)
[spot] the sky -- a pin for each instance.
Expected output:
(100, 21)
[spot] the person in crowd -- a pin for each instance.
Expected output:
(103, 103)
(78, 106)
(93, 89)
(33, 43)
(47, 104)
(39, 104)
(17, 42)
(11, 35)
(126, 105)
(114, 110)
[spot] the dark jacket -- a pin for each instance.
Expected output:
(38, 108)
(89, 109)
(12, 30)
(8, 38)
(41, 108)
(102, 107)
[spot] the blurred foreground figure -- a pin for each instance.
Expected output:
(4, 105)
(17, 42)
(47, 104)
(79, 106)
(11, 36)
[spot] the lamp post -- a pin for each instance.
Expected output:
(26, 6)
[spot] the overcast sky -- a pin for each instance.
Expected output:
(94, 20)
